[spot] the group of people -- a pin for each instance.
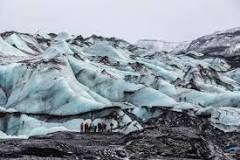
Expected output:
(184, 99)
(91, 127)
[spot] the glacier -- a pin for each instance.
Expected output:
(52, 82)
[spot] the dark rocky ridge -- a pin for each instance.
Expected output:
(172, 136)
(219, 43)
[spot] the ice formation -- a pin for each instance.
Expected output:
(51, 82)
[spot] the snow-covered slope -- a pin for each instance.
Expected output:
(222, 43)
(51, 82)
(162, 46)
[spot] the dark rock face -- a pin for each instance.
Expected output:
(172, 136)
(179, 136)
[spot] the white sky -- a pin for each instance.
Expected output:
(170, 20)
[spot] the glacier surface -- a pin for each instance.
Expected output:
(52, 82)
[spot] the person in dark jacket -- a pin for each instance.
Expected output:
(81, 127)
(86, 128)
(111, 125)
(94, 128)
(104, 127)
(180, 99)
(100, 128)
(185, 99)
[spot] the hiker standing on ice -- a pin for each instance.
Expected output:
(104, 127)
(94, 128)
(86, 127)
(99, 126)
(81, 127)
(180, 99)
(111, 125)
(185, 99)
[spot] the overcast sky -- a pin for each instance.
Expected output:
(170, 20)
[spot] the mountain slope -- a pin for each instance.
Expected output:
(224, 43)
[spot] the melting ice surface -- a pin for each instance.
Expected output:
(54, 83)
